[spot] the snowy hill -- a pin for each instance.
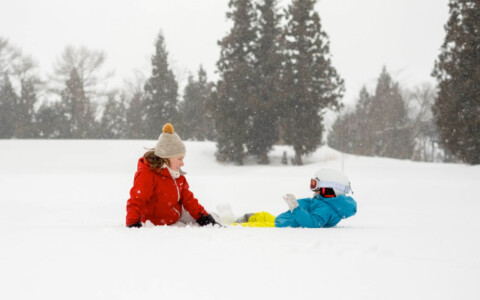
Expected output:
(62, 233)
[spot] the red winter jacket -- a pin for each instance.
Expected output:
(158, 197)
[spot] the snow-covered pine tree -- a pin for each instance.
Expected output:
(232, 102)
(25, 109)
(26, 72)
(8, 102)
(268, 60)
(135, 117)
(351, 132)
(457, 70)
(341, 135)
(310, 82)
(379, 124)
(390, 128)
(160, 92)
(196, 120)
(362, 124)
(77, 109)
(51, 122)
(113, 121)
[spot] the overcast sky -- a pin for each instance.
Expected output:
(403, 35)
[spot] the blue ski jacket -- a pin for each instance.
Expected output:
(318, 212)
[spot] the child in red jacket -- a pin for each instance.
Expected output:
(160, 192)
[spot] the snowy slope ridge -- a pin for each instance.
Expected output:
(62, 233)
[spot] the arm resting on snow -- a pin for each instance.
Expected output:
(311, 219)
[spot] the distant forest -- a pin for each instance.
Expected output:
(276, 82)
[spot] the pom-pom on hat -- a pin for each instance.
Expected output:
(169, 143)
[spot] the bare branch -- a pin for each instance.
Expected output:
(88, 64)
(8, 55)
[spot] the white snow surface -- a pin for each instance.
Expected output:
(63, 235)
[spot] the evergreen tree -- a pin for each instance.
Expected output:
(363, 124)
(341, 135)
(135, 117)
(25, 110)
(393, 136)
(113, 121)
(161, 92)
(24, 70)
(196, 123)
(8, 103)
(264, 132)
(379, 126)
(310, 83)
(457, 70)
(51, 122)
(351, 132)
(77, 109)
(235, 93)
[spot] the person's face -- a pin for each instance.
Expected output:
(176, 163)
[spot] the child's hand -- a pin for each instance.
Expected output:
(135, 225)
(291, 201)
(206, 220)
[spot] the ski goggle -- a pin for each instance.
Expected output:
(327, 192)
(316, 184)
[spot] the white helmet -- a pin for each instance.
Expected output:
(331, 178)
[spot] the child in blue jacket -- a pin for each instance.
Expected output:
(329, 205)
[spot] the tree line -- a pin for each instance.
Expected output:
(428, 123)
(390, 122)
(276, 82)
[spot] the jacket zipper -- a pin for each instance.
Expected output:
(178, 193)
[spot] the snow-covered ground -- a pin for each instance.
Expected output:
(416, 234)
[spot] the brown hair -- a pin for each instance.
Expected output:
(156, 162)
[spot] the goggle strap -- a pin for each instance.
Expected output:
(345, 188)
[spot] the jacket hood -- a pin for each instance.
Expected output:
(345, 206)
(143, 164)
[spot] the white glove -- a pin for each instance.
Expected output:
(291, 201)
